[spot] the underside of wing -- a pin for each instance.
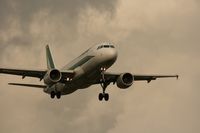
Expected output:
(28, 85)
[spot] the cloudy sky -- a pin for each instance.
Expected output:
(152, 37)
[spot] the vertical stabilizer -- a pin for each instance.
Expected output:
(50, 63)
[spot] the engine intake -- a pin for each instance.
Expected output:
(125, 80)
(52, 77)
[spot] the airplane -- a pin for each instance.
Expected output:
(87, 69)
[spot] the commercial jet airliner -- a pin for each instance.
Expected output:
(86, 70)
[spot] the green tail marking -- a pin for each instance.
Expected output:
(50, 63)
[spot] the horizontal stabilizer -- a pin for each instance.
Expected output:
(29, 85)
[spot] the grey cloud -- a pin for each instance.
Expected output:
(61, 18)
(161, 37)
(25, 9)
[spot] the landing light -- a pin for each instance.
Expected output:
(103, 69)
(68, 79)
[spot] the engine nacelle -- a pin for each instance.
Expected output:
(125, 80)
(52, 77)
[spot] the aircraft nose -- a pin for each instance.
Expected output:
(111, 54)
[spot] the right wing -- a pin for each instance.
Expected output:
(66, 74)
(24, 73)
(28, 85)
(35, 73)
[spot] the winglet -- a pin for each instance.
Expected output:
(177, 76)
(50, 63)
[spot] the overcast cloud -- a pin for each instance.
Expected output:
(152, 37)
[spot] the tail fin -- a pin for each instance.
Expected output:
(50, 63)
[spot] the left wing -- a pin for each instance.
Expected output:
(148, 78)
(24, 73)
(109, 77)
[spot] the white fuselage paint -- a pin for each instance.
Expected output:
(87, 68)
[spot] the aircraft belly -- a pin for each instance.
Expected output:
(73, 86)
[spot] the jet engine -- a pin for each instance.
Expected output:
(52, 77)
(125, 80)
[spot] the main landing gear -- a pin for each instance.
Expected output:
(104, 85)
(57, 94)
(103, 95)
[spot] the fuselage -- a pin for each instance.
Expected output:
(87, 67)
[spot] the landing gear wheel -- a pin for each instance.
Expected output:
(106, 96)
(58, 95)
(53, 94)
(101, 96)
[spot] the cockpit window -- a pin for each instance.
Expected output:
(105, 46)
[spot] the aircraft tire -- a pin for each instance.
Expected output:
(106, 96)
(58, 95)
(101, 96)
(53, 94)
